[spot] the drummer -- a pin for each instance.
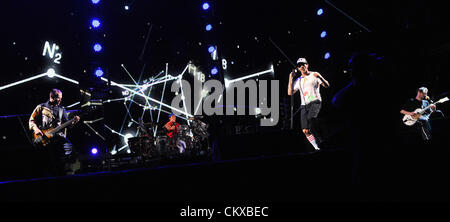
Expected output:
(172, 128)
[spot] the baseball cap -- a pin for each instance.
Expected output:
(302, 61)
(423, 89)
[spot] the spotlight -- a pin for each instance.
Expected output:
(214, 71)
(323, 34)
(95, 23)
(211, 49)
(208, 27)
(205, 6)
(327, 55)
(320, 12)
(127, 136)
(99, 72)
(95, 1)
(51, 73)
(257, 111)
(97, 47)
(126, 7)
(94, 151)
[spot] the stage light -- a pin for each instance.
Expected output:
(211, 49)
(94, 151)
(95, 1)
(113, 152)
(208, 27)
(323, 34)
(205, 6)
(214, 71)
(228, 82)
(126, 7)
(327, 55)
(23, 81)
(149, 98)
(320, 12)
(67, 79)
(205, 93)
(99, 72)
(95, 23)
(127, 136)
(97, 47)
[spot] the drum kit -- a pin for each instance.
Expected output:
(191, 139)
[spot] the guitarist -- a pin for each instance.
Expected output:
(423, 123)
(52, 114)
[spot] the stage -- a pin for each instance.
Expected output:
(178, 105)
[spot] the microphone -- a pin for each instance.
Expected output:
(428, 98)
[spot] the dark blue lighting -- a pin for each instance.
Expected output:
(323, 34)
(214, 71)
(94, 151)
(327, 55)
(95, 1)
(99, 72)
(205, 6)
(95, 23)
(320, 12)
(208, 27)
(97, 47)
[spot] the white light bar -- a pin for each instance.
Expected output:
(227, 82)
(23, 81)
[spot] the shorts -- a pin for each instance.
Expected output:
(308, 112)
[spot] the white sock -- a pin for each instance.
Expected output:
(313, 142)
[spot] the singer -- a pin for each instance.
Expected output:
(422, 126)
(308, 84)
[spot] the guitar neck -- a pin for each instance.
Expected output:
(428, 107)
(62, 126)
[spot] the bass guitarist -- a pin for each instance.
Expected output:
(422, 126)
(52, 114)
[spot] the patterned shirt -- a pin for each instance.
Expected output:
(46, 115)
(309, 87)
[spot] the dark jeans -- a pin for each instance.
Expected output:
(424, 129)
(60, 156)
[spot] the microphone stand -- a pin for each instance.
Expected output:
(292, 96)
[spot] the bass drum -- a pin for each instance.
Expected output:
(160, 144)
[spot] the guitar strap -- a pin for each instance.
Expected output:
(60, 113)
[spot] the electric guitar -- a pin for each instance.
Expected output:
(48, 134)
(411, 120)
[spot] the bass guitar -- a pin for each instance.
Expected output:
(45, 139)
